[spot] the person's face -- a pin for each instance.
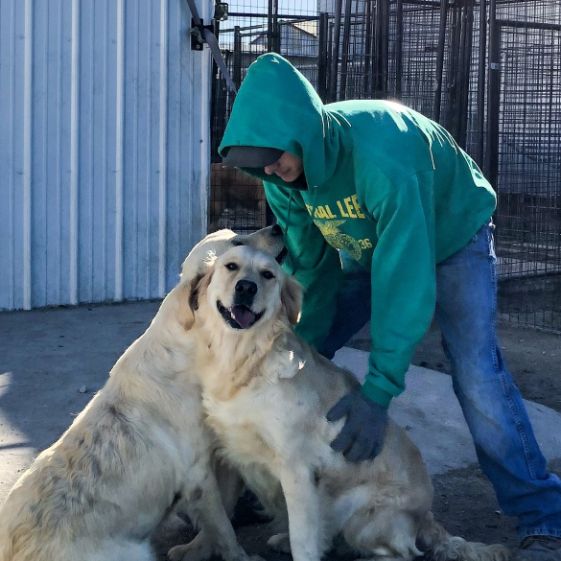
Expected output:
(288, 167)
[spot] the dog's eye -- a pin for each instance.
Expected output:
(267, 275)
(231, 266)
(237, 243)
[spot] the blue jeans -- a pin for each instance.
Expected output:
(466, 305)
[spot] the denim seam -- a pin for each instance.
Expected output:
(512, 405)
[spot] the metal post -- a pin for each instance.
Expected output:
(276, 27)
(491, 166)
(328, 67)
(335, 51)
(452, 74)
(270, 26)
(398, 47)
(382, 29)
(377, 61)
(465, 69)
(273, 36)
(373, 50)
(322, 55)
(384, 44)
(237, 62)
(440, 60)
(481, 82)
(367, 47)
(345, 52)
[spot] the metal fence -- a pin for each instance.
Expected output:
(488, 70)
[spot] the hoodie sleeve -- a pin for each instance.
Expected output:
(313, 262)
(403, 279)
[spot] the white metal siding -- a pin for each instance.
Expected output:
(104, 116)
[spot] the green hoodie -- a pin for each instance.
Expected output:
(385, 184)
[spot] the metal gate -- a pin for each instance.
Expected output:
(525, 160)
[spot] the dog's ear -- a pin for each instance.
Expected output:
(197, 289)
(291, 298)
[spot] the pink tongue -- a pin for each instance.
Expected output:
(244, 316)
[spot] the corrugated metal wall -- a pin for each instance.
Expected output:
(104, 122)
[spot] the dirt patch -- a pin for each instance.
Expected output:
(532, 356)
(465, 503)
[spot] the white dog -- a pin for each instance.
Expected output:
(267, 393)
(138, 450)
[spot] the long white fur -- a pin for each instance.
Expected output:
(138, 449)
(266, 394)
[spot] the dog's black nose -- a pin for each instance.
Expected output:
(246, 287)
(276, 230)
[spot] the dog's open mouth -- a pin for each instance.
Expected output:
(238, 316)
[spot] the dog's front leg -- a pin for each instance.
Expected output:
(305, 519)
(216, 536)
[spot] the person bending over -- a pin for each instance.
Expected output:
(387, 219)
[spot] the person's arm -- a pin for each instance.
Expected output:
(313, 262)
(403, 300)
(403, 280)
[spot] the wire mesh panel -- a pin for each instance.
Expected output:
(418, 43)
(529, 162)
(488, 70)
(254, 27)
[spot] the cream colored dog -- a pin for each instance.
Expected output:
(267, 393)
(138, 450)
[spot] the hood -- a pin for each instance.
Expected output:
(276, 107)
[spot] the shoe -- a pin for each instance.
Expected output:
(539, 548)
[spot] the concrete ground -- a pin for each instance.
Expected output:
(52, 362)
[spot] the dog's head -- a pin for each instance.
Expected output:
(270, 240)
(246, 288)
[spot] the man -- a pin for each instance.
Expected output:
(386, 218)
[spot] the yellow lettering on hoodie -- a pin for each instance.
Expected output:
(319, 212)
(329, 212)
(349, 206)
(323, 211)
(358, 210)
(342, 210)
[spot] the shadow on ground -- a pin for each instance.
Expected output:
(48, 373)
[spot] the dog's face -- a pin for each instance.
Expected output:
(247, 288)
(269, 240)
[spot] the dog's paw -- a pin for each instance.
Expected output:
(280, 543)
(192, 551)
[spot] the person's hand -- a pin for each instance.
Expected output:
(362, 436)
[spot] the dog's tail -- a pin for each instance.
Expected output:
(438, 545)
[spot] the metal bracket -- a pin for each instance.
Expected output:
(220, 11)
(198, 35)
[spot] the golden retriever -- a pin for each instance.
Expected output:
(139, 449)
(266, 394)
